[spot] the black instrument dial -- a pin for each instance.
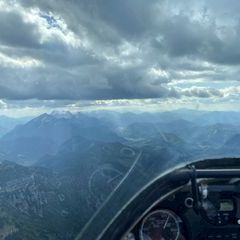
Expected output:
(159, 225)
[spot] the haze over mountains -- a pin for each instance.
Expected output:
(45, 134)
(7, 123)
(57, 169)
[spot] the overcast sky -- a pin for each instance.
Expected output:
(91, 54)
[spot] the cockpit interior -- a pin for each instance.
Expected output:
(195, 202)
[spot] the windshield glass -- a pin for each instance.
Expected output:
(98, 98)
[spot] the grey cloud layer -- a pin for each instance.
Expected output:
(15, 32)
(117, 49)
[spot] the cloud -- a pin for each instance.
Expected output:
(232, 91)
(3, 104)
(17, 33)
(103, 50)
(201, 92)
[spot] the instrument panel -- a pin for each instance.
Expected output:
(176, 219)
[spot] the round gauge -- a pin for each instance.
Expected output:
(160, 225)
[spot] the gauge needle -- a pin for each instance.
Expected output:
(166, 222)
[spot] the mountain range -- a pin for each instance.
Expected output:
(58, 168)
(44, 134)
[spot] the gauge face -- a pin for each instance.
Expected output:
(160, 225)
